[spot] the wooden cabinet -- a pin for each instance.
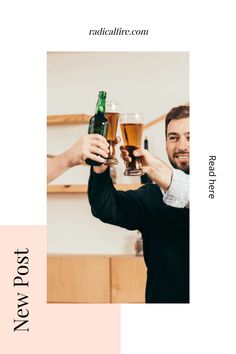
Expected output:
(128, 279)
(95, 279)
(79, 279)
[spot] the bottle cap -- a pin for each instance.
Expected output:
(102, 94)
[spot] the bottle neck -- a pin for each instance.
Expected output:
(101, 106)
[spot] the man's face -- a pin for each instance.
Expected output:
(177, 143)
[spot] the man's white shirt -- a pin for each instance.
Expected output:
(177, 195)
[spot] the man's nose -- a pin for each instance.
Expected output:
(183, 144)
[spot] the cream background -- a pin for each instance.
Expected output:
(147, 82)
(207, 324)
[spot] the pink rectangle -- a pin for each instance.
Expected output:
(49, 328)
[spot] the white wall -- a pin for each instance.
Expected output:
(151, 83)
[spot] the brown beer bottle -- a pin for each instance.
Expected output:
(98, 124)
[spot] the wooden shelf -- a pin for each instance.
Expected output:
(159, 119)
(82, 188)
(65, 119)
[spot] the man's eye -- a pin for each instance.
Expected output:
(173, 138)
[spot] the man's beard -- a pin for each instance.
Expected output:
(184, 168)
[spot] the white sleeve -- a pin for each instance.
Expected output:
(177, 195)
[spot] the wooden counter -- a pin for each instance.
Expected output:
(95, 279)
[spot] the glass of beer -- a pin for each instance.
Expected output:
(132, 129)
(112, 115)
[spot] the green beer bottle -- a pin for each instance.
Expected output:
(98, 124)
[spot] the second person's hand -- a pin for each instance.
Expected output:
(90, 146)
(103, 168)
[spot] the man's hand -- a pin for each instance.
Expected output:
(156, 169)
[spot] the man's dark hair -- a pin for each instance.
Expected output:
(177, 113)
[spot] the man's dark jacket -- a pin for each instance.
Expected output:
(165, 232)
